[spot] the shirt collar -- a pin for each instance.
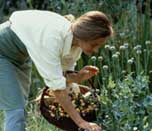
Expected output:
(67, 42)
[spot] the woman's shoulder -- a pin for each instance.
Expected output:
(42, 13)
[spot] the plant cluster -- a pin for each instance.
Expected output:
(126, 105)
(125, 77)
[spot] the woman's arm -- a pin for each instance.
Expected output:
(63, 98)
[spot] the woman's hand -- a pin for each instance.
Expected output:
(89, 126)
(86, 73)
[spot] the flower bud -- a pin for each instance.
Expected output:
(118, 53)
(122, 34)
(138, 52)
(112, 48)
(105, 67)
(122, 47)
(130, 61)
(148, 42)
(126, 45)
(107, 47)
(100, 58)
(115, 56)
(93, 58)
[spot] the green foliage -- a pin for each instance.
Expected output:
(126, 105)
(125, 77)
(1, 120)
(35, 122)
(124, 64)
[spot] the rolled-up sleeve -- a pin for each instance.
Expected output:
(47, 60)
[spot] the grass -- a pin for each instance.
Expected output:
(35, 121)
(1, 120)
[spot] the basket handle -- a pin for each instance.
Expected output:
(43, 94)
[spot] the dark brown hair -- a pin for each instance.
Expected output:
(91, 26)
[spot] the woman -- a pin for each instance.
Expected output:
(54, 44)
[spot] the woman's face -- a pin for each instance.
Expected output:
(89, 47)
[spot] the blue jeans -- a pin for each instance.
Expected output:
(14, 120)
(15, 74)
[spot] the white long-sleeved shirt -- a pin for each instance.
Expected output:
(48, 39)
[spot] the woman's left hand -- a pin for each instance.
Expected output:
(86, 73)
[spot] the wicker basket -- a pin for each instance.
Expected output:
(63, 122)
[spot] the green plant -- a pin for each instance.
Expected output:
(126, 105)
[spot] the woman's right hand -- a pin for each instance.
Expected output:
(89, 126)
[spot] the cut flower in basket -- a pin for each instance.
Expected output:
(83, 102)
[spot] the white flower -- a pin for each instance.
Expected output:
(150, 71)
(137, 47)
(93, 58)
(107, 47)
(123, 71)
(106, 116)
(148, 42)
(126, 45)
(105, 67)
(114, 56)
(132, 58)
(122, 47)
(122, 34)
(144, 50)
(112, 48)
(100, 58)
(130, 61)
(118, 53)
(138, 51)
(135, 128)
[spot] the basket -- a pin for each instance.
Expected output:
(63, 121)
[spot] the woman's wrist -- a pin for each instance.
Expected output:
(69, 79)
(80, 123)
(72, 77)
